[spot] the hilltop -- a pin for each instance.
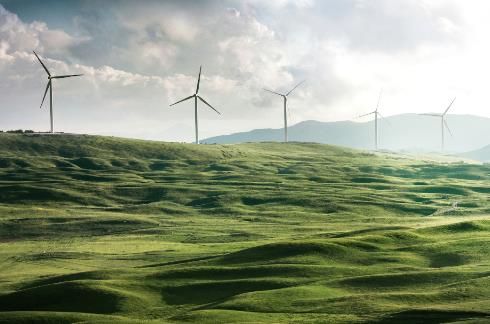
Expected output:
(104, 229)
(401, 132)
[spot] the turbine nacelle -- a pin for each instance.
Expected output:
(376, 113)
(50, 87)
(63, 76)
(444, 113)
(284, 96)
(196, 96)
(444, 124)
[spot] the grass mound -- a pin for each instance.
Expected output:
(72, 296)
(294, 252)
(460, 227)
(433, 316)
(208, 292)
(102, 230)
(59, 318)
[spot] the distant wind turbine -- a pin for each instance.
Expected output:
(376, 114)
(49, 87)
(284, 96)
(443, 122)
(196, 96)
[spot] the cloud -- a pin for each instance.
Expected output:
(137, 59)
(36, 35)
(286, 3)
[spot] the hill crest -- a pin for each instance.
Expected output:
(400, 132)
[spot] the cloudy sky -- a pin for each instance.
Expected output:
(139, 56)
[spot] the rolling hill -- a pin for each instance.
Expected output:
(101, 230)
(401, 132)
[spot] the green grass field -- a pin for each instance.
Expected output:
(99, 229)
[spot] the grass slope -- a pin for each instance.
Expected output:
(98, 229)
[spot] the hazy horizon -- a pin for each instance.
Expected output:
(137, 58)
(404, 132)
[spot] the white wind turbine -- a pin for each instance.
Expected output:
(376, 114)
(50, 87)
(284, 96)
(443, 122)
(196, 96)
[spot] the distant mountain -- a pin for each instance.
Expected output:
(482, 154)
(401, 132)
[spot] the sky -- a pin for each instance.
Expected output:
(137, 57)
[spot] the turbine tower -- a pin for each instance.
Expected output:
(376, 114)
(196, 96)
(49, 87)
(284, 96)
(443, 122)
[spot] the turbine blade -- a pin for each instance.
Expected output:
(183, 100)
(45, 92)
(445, 112)
(198, 80)
(44, 66)
(295, 87)
(273, 92)
(447, 127)
(432, 115)
(208, 104)
(379, 99)
(65, 76)
(373, 112)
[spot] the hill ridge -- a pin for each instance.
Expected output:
(398, 132)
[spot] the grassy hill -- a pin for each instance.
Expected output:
(99, 229)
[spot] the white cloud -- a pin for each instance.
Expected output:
(36, 35)
(4, 57)
(137, 59)
(284, 3)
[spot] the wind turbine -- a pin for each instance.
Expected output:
(196, 96)
(49, 87)
(376, 114)
(284, 96)
(443, 122)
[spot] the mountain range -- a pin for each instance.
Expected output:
(405, 132)
(482, 154)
